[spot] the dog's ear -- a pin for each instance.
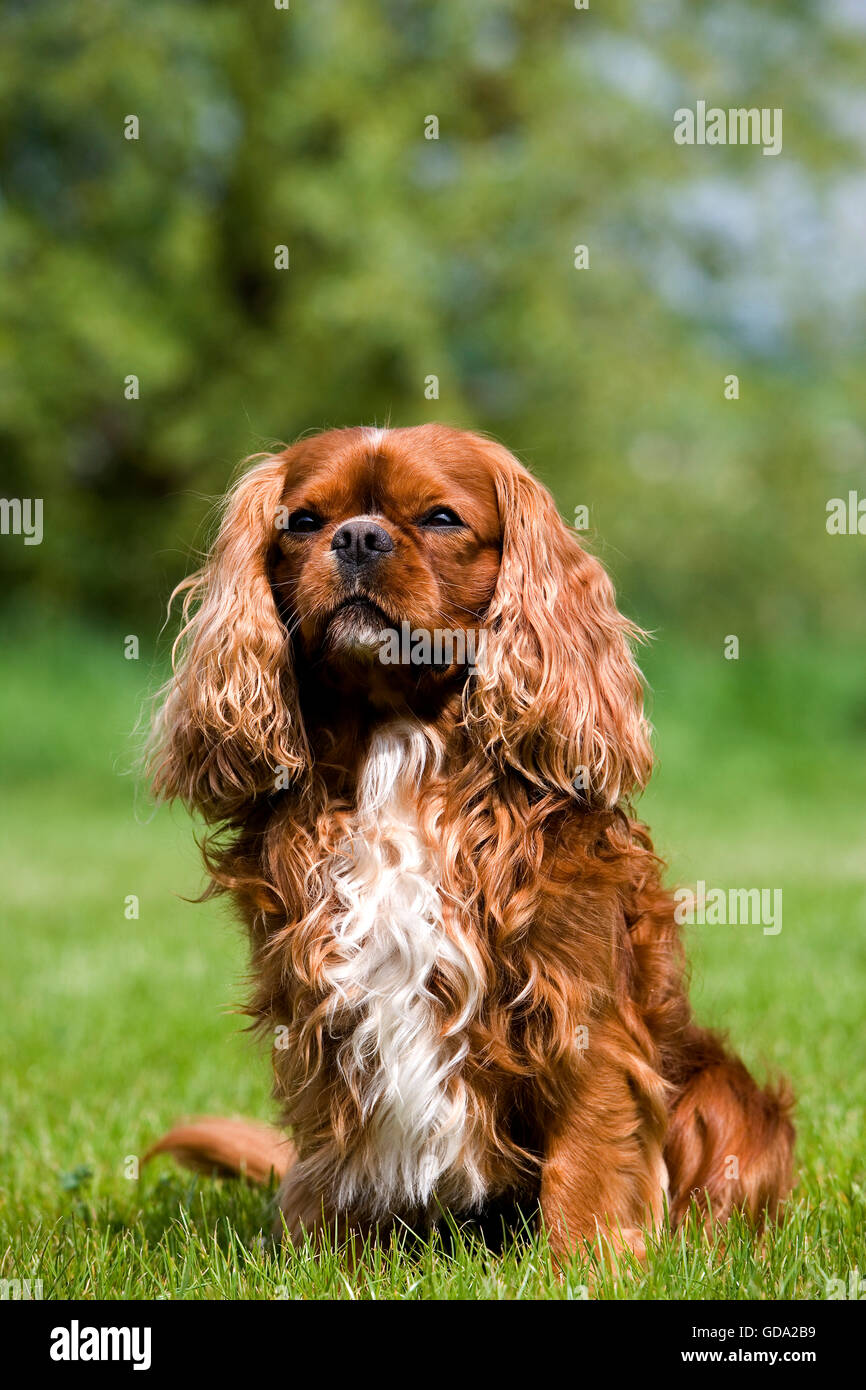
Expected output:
(557, 696)
(228, 726)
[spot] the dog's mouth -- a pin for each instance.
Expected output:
(363, 607)
(355, 628)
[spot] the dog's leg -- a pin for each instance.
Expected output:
(301, 1207)
(730, 1142)
(303, 1210)
(603, 1176)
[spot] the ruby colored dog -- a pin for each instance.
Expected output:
(462, 950)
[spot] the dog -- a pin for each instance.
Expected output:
(462, 950)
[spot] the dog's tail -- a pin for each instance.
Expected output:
(730, 1141)
(227, 1148)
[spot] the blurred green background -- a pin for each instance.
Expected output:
(410, 258)
(454, 257)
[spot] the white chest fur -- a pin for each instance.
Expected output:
(391, 935)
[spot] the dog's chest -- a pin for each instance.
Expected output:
(399, 1054)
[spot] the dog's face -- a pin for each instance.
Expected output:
(380, 529)
(349, 535)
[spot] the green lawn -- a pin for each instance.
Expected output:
(115, 1026)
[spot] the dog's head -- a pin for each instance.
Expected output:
(399, 560)
(383, 533)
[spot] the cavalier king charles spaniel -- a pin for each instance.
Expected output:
(462, 951)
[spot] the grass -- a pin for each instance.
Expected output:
(114, 1025)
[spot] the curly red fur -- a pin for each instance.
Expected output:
(557, 1001)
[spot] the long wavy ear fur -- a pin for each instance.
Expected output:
(229, 718)
(558, 696)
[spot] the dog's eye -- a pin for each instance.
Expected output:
(441, 516)
(304, 521)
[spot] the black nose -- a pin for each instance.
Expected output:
(360, 541)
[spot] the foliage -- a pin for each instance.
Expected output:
(453, 257)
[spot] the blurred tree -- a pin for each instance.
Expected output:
(413, 257)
